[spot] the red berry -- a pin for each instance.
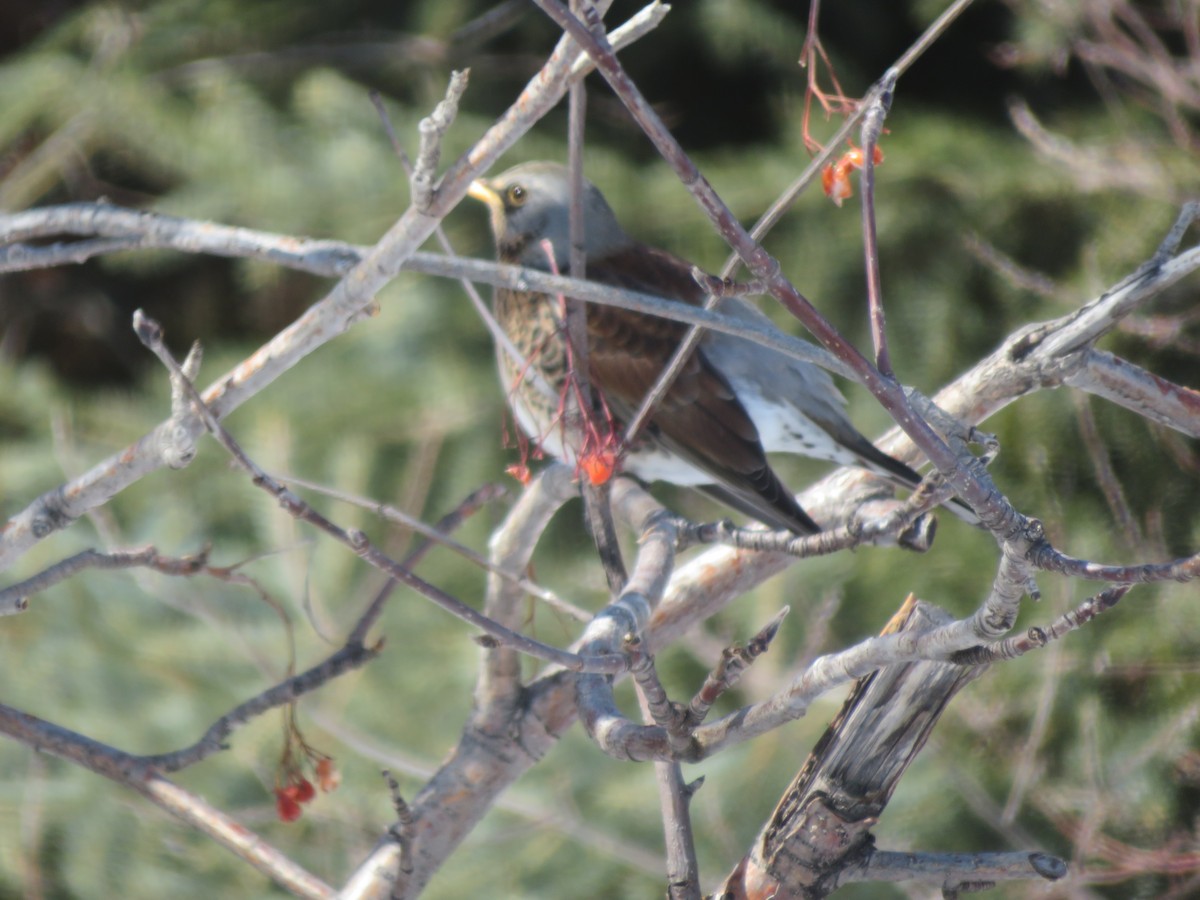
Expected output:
(286, 806)
(304, 790)
(599, 466)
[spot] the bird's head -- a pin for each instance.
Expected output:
(530, 204)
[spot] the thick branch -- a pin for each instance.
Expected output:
(821, 825)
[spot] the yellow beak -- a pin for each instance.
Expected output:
(490, 197)
(485, 193)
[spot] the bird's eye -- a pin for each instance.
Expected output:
(516, 195)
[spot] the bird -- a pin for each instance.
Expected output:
(732, 403)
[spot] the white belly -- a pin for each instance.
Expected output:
(782, 428)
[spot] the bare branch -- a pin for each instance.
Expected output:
(872, 128)
(1036, 638)
(137, 230)
(1153, 277)
(623, 740)
(822, 823)
(151, 334)
(1046, 557)
(1121, 382)
(675, 794)
(347, 659)
(610, 633)
(336, 258)
(512, 548)
(432, 130)
(405, 823)
(734, 661)
(14, 598)
(674, 797)
(439, 535)
(510, 729)
(955, 872)
(134, 772)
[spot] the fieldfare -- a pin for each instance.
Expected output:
(732, 402)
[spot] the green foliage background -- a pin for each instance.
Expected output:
(257, 114)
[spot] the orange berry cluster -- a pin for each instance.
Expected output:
(835, 177)
(298, 790)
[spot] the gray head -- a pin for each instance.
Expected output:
(531, 202)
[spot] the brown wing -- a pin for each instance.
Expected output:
(700, 418)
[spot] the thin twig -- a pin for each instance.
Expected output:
(657, 706)
(447, 523)
(14, 598)
(439, 535)
(135, 773)
(403, 830)
(432, 130)
(347, 659)
(597, 512)
(674, 799)
(957, 872)
(872, 128)
(1044, 556)
(734, 662)
(1035, 638)
(151, 335)
(881, 523)
(1106, 476)
(485, 314)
